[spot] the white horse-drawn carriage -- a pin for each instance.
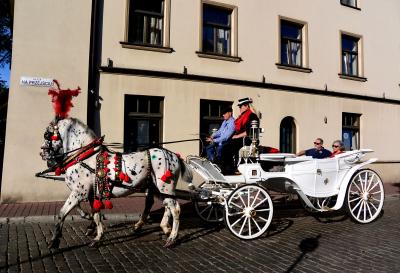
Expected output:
(95, 173)
(322, 185)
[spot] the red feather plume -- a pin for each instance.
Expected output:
(61, 99)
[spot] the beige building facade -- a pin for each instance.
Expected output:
(161, 72)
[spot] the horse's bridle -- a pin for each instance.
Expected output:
(55, 155)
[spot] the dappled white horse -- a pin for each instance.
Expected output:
(94, 173)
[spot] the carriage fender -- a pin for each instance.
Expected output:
(346, 181)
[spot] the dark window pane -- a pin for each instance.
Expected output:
(147, 5)
(155, 107)
(290, 30)
(352, 3)
(215, 15)
(349, 43)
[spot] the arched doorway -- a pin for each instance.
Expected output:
(287, 132)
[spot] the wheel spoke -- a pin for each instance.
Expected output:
(266, 198)
(235, 213)
(361, 184)
(201, 212)
(255, 198)
(268, 209)
(377, 183)
(373, 193)
(372, 204)
(370, 181)
(249, 226)
(369, 210)
(255, 222)
(248, 197)
(241, 199)
(354, 208)
(355, 199)
(237, 221)
(236, 205)
(262, 218)
(209, 214)
(244, 223)
(359, 210)
(355, 184)
(365, 211)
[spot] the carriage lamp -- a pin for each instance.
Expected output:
(254, 132)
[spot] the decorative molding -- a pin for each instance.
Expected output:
(147, 47)
(353, 78)
(293, 68)
(218, 57)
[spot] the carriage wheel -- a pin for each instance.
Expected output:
(364, 196)
(209, 211)
(249, 211)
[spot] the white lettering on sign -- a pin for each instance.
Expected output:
(36, 81)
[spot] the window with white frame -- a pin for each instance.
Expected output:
(146, 22)
(291, 43)
(350, 55)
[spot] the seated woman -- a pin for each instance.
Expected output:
(239, 138)
(337, 148)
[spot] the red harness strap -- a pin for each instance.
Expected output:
(85, 152)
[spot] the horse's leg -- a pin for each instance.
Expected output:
(175, 210)
(147, 208)
(165, 221)
(99, 229)
(84, 214)
(71, 202)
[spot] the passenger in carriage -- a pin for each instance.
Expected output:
(337, 148)
(230, 152)
(221, 137)
(317, 152)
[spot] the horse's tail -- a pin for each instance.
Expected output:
(186, 172)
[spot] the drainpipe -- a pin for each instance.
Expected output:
(96, 34)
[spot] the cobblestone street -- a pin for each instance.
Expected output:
(294, 243)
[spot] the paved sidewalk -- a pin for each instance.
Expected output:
(128, 208)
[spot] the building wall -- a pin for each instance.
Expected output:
(51, 40)
(258, 43)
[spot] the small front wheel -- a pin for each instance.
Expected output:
(209, 211)
(364, 196)
(248, 211)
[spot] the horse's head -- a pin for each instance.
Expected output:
(52, 147)
(63, 136)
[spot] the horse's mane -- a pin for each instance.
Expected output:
(87, 129)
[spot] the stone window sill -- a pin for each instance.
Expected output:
(147, 47)
(218, 57)
(294, 68)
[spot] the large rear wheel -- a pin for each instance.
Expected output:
(364, 196)
(249, 211)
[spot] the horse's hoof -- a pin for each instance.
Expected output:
(137, 229)
(94, 244)
(55, 243)
(90, 231)
(170, 243)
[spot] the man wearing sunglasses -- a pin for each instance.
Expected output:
(317, 152)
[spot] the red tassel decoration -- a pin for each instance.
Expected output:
(61, 99)
(168, 174)
(106, 162)
(108, 204)
(58, 171)
(164, 178)
(122, 176)
(106, 170)
(98, 205)
(54, 137)
(126, 179)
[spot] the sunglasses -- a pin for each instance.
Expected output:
(335, 146)
(317, 143)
